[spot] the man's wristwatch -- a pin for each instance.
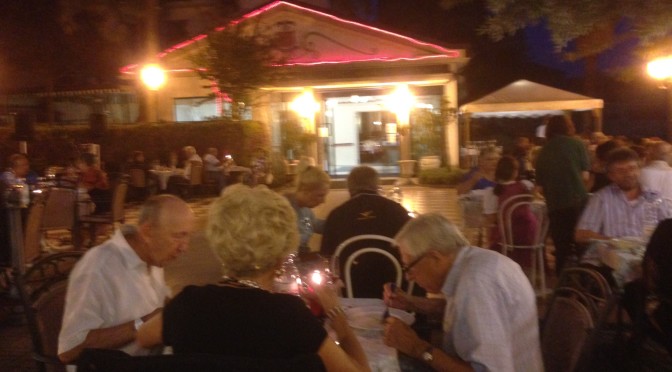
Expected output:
(427, 356)
(137, 323)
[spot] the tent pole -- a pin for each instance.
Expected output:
(597, 120)
(467, 129)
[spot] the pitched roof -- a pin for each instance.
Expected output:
(527, 98)
(312, 37)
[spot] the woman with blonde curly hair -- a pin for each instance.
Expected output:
(252, 231)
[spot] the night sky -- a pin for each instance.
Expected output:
(32, 46)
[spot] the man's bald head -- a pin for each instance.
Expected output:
(153, 210)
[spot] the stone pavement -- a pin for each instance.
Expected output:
(198, 265)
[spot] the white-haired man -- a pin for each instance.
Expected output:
(490, 318)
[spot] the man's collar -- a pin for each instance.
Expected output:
(364, 192)
(131, 258)
(455, 270)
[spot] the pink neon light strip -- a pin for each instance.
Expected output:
(449, 53)
(380, 59)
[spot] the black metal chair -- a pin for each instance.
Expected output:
(42, 289)
(577, 320)
(100, 360)
(115, 215)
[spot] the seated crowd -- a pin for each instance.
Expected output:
(117, 296)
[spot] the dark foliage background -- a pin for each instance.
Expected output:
(57, 145)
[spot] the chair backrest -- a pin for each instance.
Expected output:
(118, 200)
(138, 178)
(511, 209)
(565, 332)
(42, 289)
(372, 245)
(101, 360)
(590, 284)
(196, 176)
(60, 209)
(352, 257)
(33, 231)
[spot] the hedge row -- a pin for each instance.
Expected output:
(57, 145)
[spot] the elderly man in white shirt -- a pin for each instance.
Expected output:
(657, 175)
(490, 318)
(119, 284)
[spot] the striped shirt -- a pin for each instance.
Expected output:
(611, 214)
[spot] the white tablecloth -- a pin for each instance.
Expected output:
(381, 357)
(164, 174)
(626, 263)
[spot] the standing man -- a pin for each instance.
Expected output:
(490, 318)
(366, 212)
(119, 284)
(311, 190)
(561, 174)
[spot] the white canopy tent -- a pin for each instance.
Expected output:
(525, 98)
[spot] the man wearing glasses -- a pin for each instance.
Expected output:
(490, 318)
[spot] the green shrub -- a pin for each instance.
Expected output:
(440, 176)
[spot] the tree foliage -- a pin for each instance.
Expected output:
(584, 28)
(238, 60)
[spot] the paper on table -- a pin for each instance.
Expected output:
(381, 357)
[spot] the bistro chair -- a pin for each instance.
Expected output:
(471, 212)
(505, 220)
(365, 263)
(60, 214)
(590, 289)
(137, 184)
(195, 181)
(115, 215)
(565, 333)
(42, 290)
(32, 241)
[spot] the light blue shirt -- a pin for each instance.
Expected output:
(306, 221)
(490, 320)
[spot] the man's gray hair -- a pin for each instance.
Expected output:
(431, 231)
(152, 208)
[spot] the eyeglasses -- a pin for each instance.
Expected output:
(408, 267)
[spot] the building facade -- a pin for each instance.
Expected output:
(353, 86)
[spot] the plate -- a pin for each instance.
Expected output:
(627, 243)
(370, 318)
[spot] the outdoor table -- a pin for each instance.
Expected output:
(624, 256)
(236, 173)
(163, 174)
(380, 356)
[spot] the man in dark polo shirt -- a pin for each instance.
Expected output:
(366, 212)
